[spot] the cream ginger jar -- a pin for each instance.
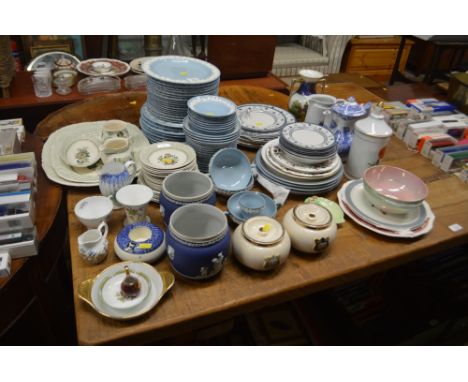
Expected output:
(311, 228)
(261, 243)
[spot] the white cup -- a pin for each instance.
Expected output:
(319, 104)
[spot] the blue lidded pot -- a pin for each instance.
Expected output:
(185, 187)
(198, 241)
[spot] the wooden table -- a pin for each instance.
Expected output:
(356, 253)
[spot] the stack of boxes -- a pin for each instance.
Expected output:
(433, 128)
(18, 237)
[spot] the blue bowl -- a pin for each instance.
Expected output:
(197, 262)
(167, 206)
(230, 170)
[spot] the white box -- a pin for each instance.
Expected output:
(17, 124)
(5, 264)
(23, 248)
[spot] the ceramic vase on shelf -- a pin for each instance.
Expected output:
(299, 100)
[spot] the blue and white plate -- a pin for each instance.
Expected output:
(181, 70)
(307, 137)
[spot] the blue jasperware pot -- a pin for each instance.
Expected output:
(198, 240)
(197, 262)
(182, 188)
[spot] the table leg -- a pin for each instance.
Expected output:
(396, 67)
(430, 74)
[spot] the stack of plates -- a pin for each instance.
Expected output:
(304, 179)
(261, 123)
(418, 221)
(157, 130)
(307, 143)
(211, 125)
(171, 82)
(162, 159)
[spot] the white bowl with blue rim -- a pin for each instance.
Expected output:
(230, 170)
(141, 241)
(244, 205)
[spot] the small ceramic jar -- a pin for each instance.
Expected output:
(185, 187)
(261, 243)
(140, 241)
(198, 241)
(311, 228)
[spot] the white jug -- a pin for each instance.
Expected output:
(93, 243)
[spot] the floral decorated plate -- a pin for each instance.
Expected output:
(159, 283)
(81, 153)
(167, 156)
(103, 67)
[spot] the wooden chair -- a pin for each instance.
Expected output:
(125, 106)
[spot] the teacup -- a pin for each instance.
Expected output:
(251, 204)
(114, 129)
(116, 150)
(319, 108)
(93, 243)
(101, 66)
(134, 198)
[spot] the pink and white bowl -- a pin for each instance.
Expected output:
(393, 190)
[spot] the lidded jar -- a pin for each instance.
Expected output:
(344, 115)
(261, 243)
(371, 136)
(311, 228)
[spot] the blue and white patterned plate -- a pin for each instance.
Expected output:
(212, 106)
(308, 137)
(132, 242)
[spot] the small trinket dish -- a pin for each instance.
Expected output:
(102, 292)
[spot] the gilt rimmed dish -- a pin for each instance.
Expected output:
(90, 290)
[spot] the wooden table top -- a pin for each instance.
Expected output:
(356, 252)
(48, 199)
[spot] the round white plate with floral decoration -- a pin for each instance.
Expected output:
(167, 156)
(81, 153)
(103, 67)
(91, 291)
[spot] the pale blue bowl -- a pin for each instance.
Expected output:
(230, 170)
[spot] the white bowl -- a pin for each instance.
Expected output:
(93, 210)
(134, 195)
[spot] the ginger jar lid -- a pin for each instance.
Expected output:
(374, 125)
(312, 216)
(263, 230)
(351, 108)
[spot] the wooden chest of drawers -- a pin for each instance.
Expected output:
(374, 57)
